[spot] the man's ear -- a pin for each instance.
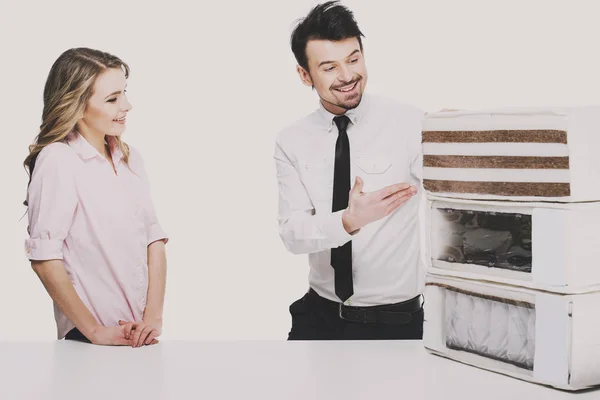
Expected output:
(304, 76)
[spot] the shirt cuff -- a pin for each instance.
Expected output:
(43, 249)
(155, 232)
(334, 230)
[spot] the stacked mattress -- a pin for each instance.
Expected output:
(513, 212)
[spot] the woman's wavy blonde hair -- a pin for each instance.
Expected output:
(69, 86)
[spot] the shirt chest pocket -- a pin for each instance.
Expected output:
(317, 176)
(377, 172)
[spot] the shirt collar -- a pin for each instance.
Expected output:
(355, 115)
(87, 151)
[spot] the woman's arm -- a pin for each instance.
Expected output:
(156, 240)
(157, 277)
(54, 277)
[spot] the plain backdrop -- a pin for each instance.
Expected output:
(213, 82)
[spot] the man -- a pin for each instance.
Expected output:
(347, 177)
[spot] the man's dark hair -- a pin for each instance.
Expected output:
(327, 21)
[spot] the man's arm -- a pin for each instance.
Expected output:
(303, 230)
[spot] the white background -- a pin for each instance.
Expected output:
(213, 82)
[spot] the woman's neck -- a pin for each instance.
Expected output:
(96, 140)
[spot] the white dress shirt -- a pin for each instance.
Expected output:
(385, 148)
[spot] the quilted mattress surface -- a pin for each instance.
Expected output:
(497, 328)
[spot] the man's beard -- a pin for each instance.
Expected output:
(348, 104)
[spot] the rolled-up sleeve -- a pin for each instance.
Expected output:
(155, 233)
(154, 230)
(52, 203)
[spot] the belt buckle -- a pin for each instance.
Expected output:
(341, 305)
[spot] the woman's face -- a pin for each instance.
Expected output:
(107, 108)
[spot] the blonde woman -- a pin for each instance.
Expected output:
(94, 238)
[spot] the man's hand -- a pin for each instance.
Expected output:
(364, 208)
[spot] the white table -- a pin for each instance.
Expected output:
(371, 370)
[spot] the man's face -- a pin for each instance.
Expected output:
(338, 72)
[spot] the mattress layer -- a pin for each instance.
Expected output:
(547, 247)
(515, 154)
(487, 238)
(540, 337)
(492, 327)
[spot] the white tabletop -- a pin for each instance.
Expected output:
(252, 370)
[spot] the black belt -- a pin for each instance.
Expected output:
(398, 313)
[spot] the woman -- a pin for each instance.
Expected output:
(94, 239)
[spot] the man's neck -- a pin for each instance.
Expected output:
(332, 108)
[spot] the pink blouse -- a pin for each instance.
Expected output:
(98, 222)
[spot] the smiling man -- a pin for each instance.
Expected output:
(349, 186)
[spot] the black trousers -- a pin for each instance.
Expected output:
(75, 334)
(317, 318)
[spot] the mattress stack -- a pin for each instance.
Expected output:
(513, 222)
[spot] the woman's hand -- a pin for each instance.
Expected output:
(139, 333)
(110, 336)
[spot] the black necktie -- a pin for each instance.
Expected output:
(341, 257)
